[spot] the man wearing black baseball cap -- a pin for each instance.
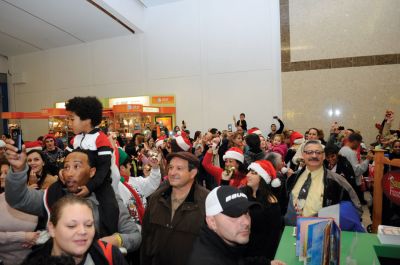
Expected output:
(221, 241)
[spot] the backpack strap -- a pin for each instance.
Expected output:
(107, 251)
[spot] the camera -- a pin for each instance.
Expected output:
(341, 128)
(16, 136)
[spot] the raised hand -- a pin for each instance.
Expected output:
(16, 160)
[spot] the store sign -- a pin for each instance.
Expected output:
(159, 100)
(391, 186)
(144, 101)
(128, 108)
(151, 109)
(60, 105)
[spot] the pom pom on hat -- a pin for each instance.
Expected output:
(183, 141)
(254, 130)
(266, 171)
(296, 138)
(234, 153)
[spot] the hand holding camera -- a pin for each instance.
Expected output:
(16, 159)
(154, 159)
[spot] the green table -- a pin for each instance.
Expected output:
(366, 250)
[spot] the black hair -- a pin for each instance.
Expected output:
(45, 170)
(242, 114)
(351, 130)
(86, 108)
(214, 130)
(331, 149)
(253, 141)
(355, 137)
(196, 135)
(264, 193)
(91, 158)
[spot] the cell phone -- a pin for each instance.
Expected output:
(16, 136)
(275, 117)
(230, 127)
(341, 128)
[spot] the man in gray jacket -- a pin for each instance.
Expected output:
(77, 171)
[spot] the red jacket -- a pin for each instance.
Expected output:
(238, 179)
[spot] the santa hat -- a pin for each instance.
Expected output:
(296, 138)
(160, 141)
(234, 153)
(35, 145)
(266, 171)
(183, 141)
(47, 136)
(254, 130)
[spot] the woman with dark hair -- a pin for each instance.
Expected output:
(266, 221)
(197, 136)
(72, 232)
(234, 173)
(38, 172)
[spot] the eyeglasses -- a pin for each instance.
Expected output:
(311, 152)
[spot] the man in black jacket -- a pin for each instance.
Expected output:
(339, 164)
(222, 239)
(315, 187)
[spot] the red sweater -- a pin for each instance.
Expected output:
(238, 179)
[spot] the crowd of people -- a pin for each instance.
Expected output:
(221, 197)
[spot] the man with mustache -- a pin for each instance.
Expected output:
(221, 240)
(78, 169)
(315, 187)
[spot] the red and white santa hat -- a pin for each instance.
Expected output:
(296, 138)
(183, 141)
(234, 153)
(254, 130)
(160, 141)
(33, 145)
(266, 171)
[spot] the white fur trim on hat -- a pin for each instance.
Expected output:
(233, 155)
(276, 182)
(182, 144)
(260, 171)
(299, 141)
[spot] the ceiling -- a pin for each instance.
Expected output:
(29, 26)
